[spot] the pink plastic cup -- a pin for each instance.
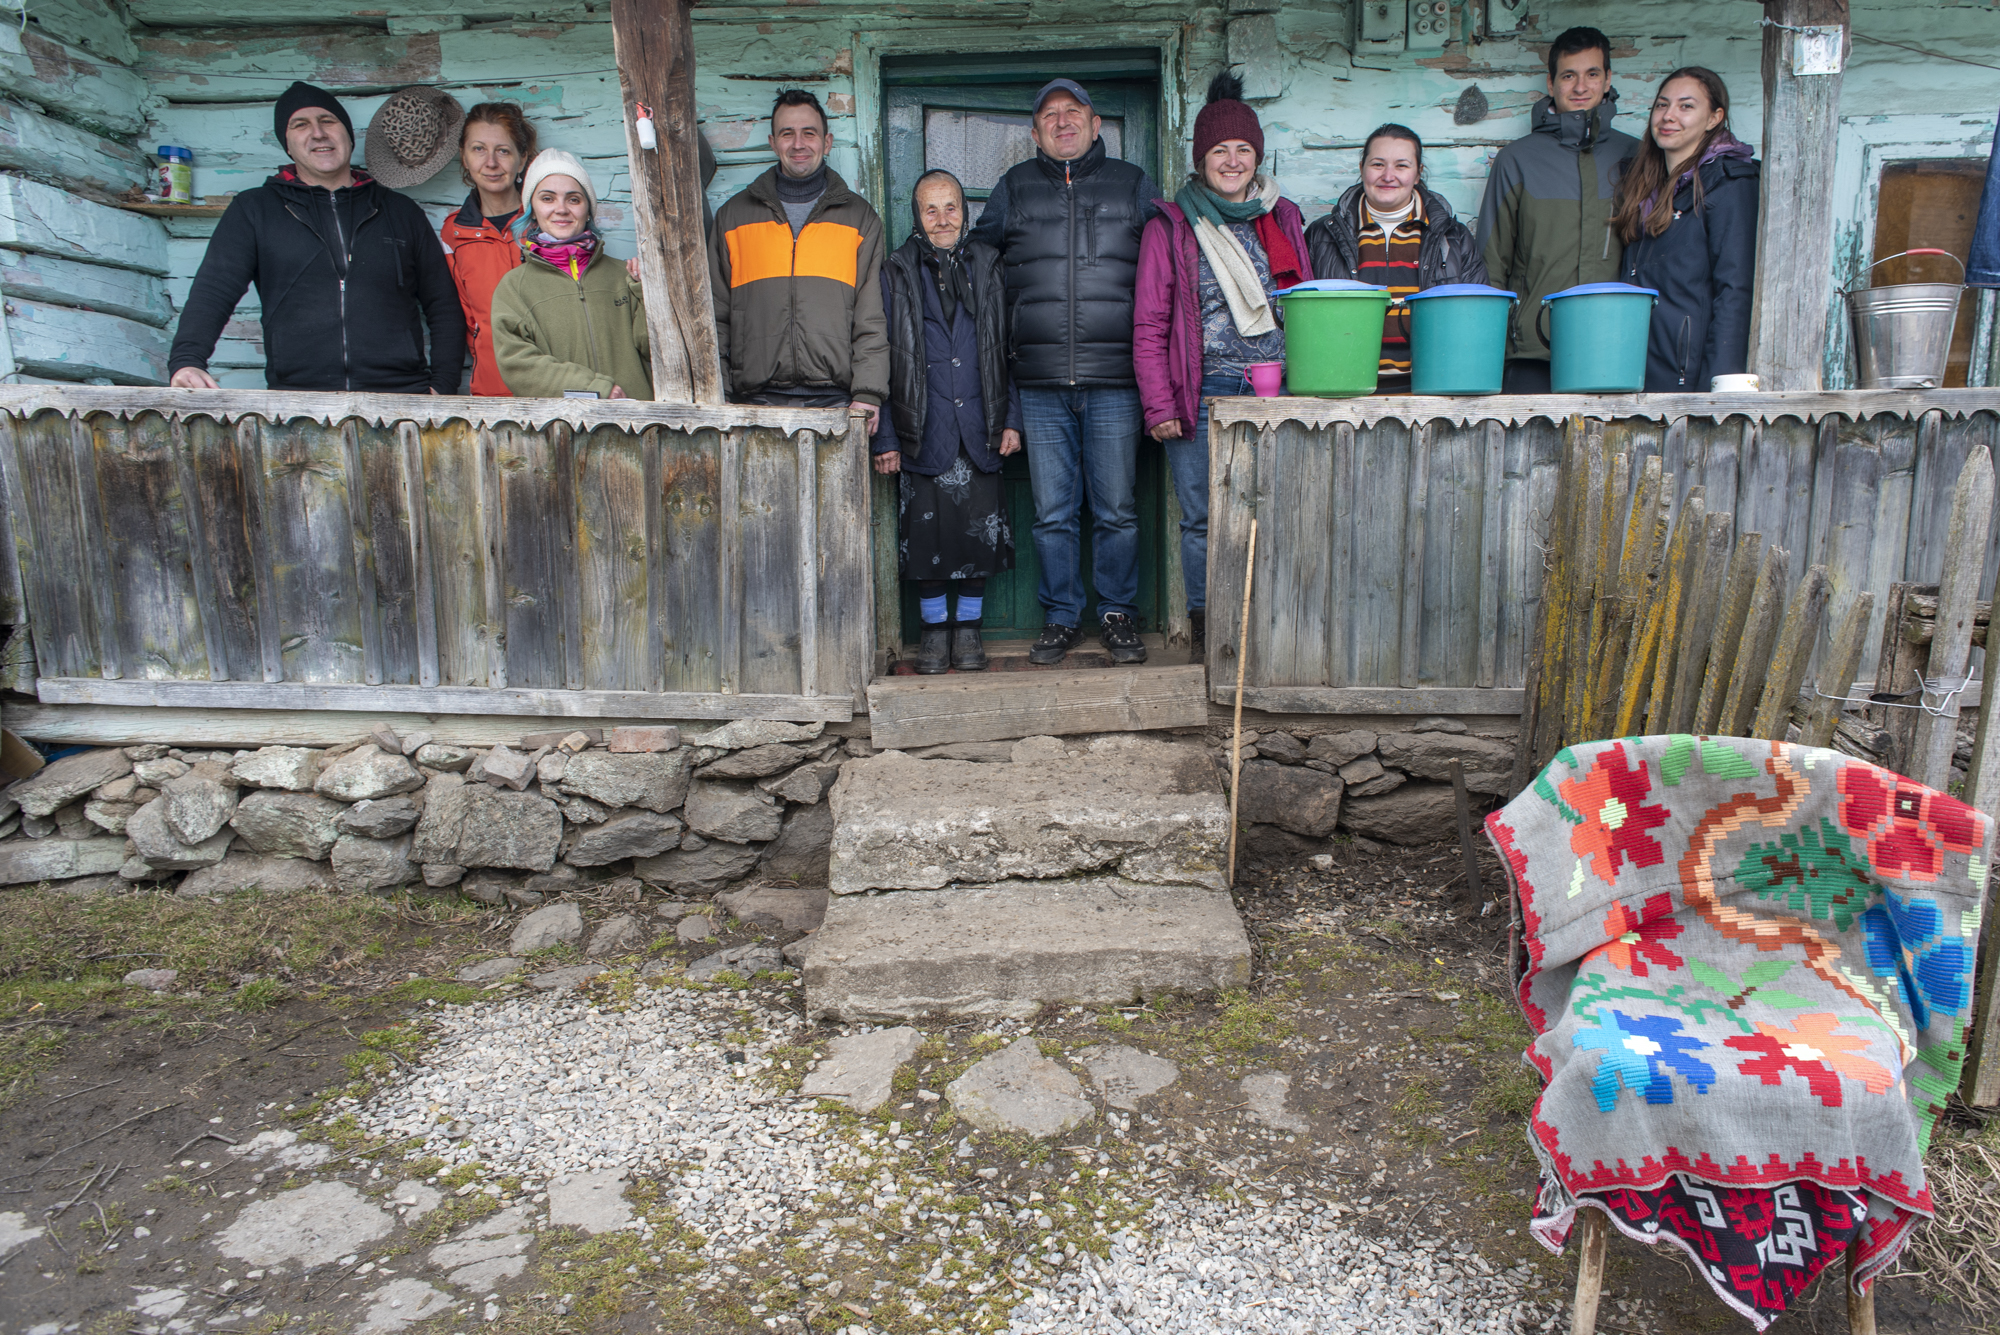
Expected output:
(1266, 378)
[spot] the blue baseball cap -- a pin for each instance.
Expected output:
(1070, 86)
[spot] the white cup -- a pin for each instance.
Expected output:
(1735, 384)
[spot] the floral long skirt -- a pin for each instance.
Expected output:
(954, 525)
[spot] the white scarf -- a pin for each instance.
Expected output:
(1234, 271)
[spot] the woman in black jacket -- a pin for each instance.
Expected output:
(1381, 224)
(1694, 241)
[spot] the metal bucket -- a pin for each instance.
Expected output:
(1902, 333)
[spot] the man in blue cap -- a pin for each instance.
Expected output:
(1067, 223)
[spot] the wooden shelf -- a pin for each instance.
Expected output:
(177, 210)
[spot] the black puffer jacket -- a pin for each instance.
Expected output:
(1068, 237)
(348, 279)
(910, 381)
(1448, 255)
(1705, 269)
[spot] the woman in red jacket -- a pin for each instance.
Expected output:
(494, 149)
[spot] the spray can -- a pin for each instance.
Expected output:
(176, 175)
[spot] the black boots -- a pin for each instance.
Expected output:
(952, 644)
(968, 653)
(934, 650)
(1198, 635)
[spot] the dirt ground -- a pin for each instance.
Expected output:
(1382, 999)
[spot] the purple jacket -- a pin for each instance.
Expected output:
(1166, 312)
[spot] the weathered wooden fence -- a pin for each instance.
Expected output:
(1402, 541)
(390, 553)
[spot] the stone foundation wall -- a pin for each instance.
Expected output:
(511, 824)
(1304, 782)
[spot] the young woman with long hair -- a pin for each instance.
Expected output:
(494, 149)
(1687, 213)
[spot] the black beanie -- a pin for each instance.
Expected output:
(300, 96)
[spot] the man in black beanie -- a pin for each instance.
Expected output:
(350, 273)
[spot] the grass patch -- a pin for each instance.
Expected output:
(1243, 1024)
(417, 991)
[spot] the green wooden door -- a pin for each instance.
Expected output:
(970, 116)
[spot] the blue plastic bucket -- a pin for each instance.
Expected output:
(1458, 338)
(1598, 341)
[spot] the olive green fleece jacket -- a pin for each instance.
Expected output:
(1545, 224)
(800, 311)
(553, 333)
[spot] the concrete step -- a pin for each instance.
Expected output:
(1006, 949)
(1147, 810)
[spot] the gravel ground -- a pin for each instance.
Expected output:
(550, 1085)
(1287, 1270)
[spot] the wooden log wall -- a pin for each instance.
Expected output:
(395, 553)
(1403, 542)
(84, 282)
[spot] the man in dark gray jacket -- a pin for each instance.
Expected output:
(1067, 225)
(1545, 224)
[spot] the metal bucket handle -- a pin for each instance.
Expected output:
(1922, 250)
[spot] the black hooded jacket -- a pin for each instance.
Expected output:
(348, 279)
(1704, 267)
(1448, 253)
(1068, 237)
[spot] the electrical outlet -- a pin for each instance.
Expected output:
(1380, 25)
(1430, 24)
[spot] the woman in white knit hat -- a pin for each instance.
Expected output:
(569, 320)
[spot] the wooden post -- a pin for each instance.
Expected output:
(1591, 1229)
(1795, 202)
(1798, 635)
(654, 45)
(1836, 674)
(1860, 1306)
(1951, 644)
(1242, 659)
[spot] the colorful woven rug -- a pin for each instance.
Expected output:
(1749, 971)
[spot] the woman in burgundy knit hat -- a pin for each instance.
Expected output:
(1209, 263)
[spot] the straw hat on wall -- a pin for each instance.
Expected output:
(413, 135)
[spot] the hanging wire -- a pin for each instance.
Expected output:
(1947, 689)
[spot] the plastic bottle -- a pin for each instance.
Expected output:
(176, 175)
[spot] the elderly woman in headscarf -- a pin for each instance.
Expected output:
(952, 415)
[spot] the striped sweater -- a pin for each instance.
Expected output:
(1390, 260)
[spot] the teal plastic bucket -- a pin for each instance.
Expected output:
(1597, 337)
(1333, 336)
(1458, 338)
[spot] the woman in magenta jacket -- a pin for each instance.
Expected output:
(1209, 263)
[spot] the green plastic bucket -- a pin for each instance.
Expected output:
(1458, 338)
(1598, 341)
(1333, 337)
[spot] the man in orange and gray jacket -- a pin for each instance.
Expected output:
(795, 261)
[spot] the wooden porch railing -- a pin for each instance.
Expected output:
(403, 554)
(1401, 541)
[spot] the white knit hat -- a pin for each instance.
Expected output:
(555, 162)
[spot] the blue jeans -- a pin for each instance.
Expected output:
(1188, 460)
(1084, 442)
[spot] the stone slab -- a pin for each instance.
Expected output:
(1124, 1075)
(1137, 808)
(1265, 1092)
(859, 1070)
(1007, 949)
(318, 1223)
(256, 871)
(1019, 1091)
(593, 1202)
(787, 908)
(28, 861)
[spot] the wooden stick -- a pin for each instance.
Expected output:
(1242, 658)
(1860, 1306)
(1589, 1271)
(1798, 636)
(1899, 669)
(1753, 650)
(1475, 893)
(1836, 675)
(1683, 563)
(1631, 576)
(1951, 646)
(1697, 628)
(1727, 630)
(1981, 1087)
